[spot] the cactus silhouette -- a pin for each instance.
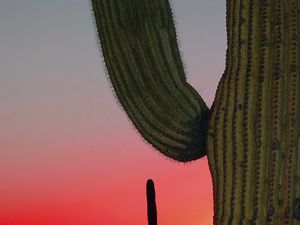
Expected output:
(151, 205)
(250, 134)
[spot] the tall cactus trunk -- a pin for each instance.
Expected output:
(254, 128)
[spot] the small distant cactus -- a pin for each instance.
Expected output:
(251, 134)
(151, 205)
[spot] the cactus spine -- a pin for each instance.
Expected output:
(151, 205)
(251, 133)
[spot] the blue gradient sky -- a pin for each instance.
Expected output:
(68, 153)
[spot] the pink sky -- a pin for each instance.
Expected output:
(68, 153)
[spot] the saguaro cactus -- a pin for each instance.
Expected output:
(251, 132)
(151, 205)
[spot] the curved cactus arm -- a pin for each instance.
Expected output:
(139, 46)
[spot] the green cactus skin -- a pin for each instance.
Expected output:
(151, 205)
(138, 42)
(251, 133)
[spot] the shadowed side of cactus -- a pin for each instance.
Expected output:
(138, 42)
(151, 205)
(251, 134)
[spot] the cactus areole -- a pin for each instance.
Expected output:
(250, 134)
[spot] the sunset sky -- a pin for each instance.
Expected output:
(68, 153)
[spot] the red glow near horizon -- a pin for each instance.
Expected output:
(74, 196)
